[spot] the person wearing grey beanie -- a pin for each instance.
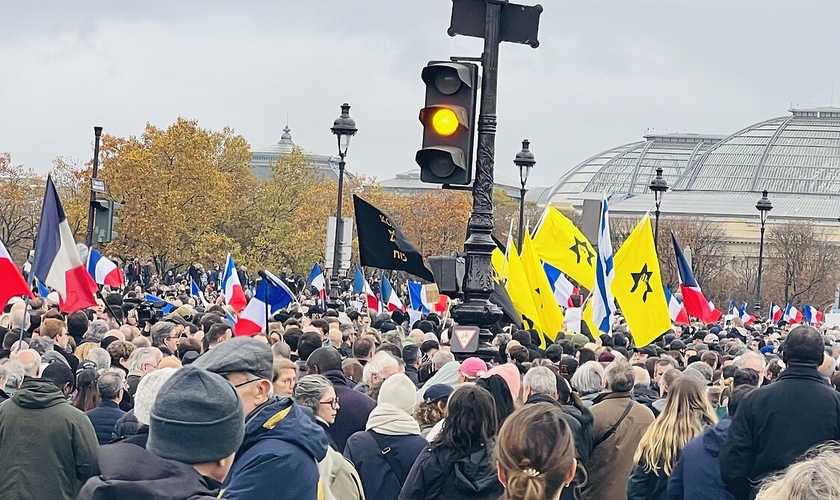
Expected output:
(195, 427)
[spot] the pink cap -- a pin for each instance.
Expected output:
(473, 367)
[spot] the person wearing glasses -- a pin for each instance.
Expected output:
(339, 477)
(283, 444)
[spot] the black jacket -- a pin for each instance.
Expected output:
(353, 413)
(646, 485)
(129, 471)
(413, 374)
(378, 479)
(775, 425)
(104, 419)
(127, 426)
(436, 476)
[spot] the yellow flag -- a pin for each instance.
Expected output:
(587, 317)
(551, 316)
(517, 286)
(637, 286)
(560, 243)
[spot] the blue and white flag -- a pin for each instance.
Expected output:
(603, 304)
(167, 308)
(417, 295)
(197, 293)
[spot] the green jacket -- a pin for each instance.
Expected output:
(48, 448)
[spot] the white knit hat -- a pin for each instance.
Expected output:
(147, 391)
(399, 391)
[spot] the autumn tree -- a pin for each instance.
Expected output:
(181, 188)
(22, 192)
(72, 182)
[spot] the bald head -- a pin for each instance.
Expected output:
(30, 360)
(115, 333)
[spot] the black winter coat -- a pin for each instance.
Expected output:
(378, 479)
(436, 476)
(646, 485)
(353, 414)
(775, 425)
(104, 419)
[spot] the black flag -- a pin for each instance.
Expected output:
(382, 243)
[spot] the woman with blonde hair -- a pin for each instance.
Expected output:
(686, 414)
(535, 453)
(817, 477)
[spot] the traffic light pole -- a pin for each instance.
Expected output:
(478, 276)
(97, 133)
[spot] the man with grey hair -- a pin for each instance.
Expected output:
(441, 358)
(619, 425)
(704, 369)
(142, 361)
(163, 334)
(753, 360)
(101, 357)
(42, 344)
(104, 417)
(539, 385)
(96, 330)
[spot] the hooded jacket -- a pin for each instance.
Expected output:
(435, 476)
(398, 431)
(279, 455)
(40, 431)
(354, 411)
(696, 475)
(129, 471)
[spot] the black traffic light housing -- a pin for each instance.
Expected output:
(104, 219)
(448, 120)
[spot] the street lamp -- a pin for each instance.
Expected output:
(763, 206)
(343, 128)
(525, 161)
(658, 185)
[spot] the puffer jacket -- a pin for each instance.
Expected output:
(437, 475)
(279, 455)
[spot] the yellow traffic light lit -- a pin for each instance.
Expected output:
(445, 121)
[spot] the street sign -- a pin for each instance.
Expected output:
(464, 339)
(345, 244)
(98, 186)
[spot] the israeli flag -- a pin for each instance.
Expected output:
(603, 304)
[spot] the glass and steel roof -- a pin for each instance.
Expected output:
(628, 169)
(794, 154)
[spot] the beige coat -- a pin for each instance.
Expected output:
(611, 462)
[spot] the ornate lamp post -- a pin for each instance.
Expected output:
(525, 161)
(343, 128)
(659, 186)
(763, 206)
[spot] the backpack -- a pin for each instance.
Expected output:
(339, 479)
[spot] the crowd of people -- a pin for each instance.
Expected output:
(354, 404)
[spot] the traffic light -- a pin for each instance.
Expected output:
(104, 218)
(448, 122)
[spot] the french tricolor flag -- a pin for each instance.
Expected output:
(792, 314)
(746, 317)
(389, 296)
(13, 283)
(316, 279)
(775, 313)
(271, 296)
(57, 263)
(696, 304)
(812, 315)
(361, 286)
(676, 308)
(563, 288)
(102, 270)
(232, 288)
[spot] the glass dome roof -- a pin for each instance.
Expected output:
(794, 154)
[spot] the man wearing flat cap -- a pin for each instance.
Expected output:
(283, 444)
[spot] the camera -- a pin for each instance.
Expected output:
(147, 311)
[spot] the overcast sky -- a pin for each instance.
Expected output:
(605, 72)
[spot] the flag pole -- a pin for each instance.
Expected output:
(264, 283)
